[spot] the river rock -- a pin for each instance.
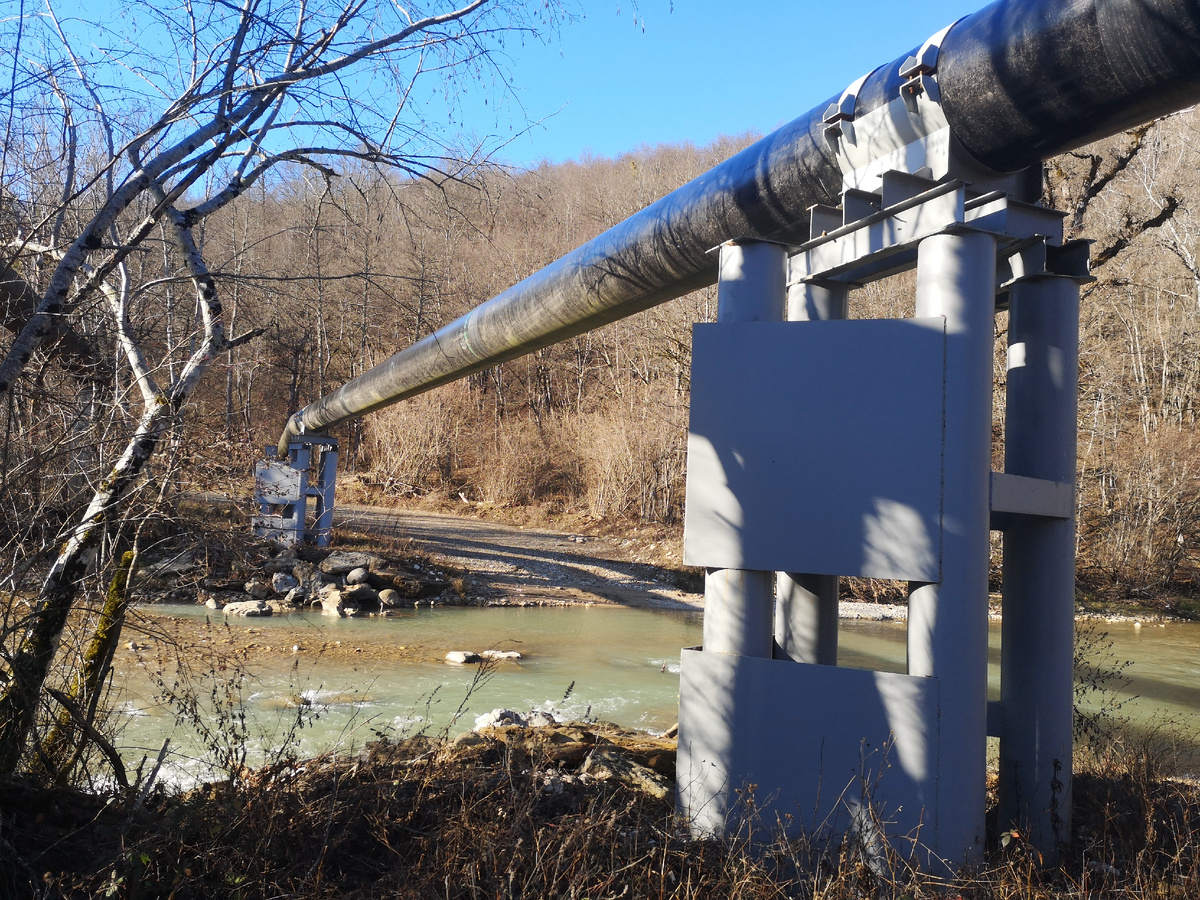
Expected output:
(360, 596)
(218, 599)
(358, 576)
(223, 583)
(501, 654)
(539, 718)
(309, 578)
(604, 762)
(284, 562)
(169, 568)
(413, 585)
(331, 602)
(462, 656)
(282, 582)
(389, 598)
(341, 562)
(247, 608)
(498, 718)
(257, 589)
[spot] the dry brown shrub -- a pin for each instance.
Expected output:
(526, 462)
(1141, 509)
(412, 446)
(634, 463)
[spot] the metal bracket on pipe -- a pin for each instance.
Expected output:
(920, 69)
(876, 233)
(842, 111)
(1038, 257)
(910, 133)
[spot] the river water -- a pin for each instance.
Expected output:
(610, 663)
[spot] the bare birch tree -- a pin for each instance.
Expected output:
(165, 116)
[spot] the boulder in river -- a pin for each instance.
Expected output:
(170, 568)
(223, 583)
(331, 601)
(284, 562)
(360, 596)
(247, 608)
(499, 718)
(411, 584)
(218, 599)
(308, 575)
(358, 576)
(463, 656)
(501, 654)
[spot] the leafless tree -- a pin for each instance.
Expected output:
(113, 145)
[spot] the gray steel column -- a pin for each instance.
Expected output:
(738, 604)
(1038, 632)
(947, 624)
(806, 605)
(323, 527)
(300, 456)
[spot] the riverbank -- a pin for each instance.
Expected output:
(661, 545)
(489, 555)
(567, 811)
(156, 632)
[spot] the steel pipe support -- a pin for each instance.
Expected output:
(1038, 630)
(738, 603)
(806, 605)
(947, 621)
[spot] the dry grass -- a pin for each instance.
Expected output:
(492, 819)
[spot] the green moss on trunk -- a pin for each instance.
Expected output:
(63, 744)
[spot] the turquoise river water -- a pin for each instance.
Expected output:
(615, 664)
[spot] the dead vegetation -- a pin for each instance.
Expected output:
(513, 813)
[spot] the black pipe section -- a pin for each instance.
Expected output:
(1020, 80)
(654, 256)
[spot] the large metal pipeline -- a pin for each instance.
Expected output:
(1019, 81)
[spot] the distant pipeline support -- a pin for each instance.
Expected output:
(990, 96)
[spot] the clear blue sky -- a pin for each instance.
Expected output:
(695, 69)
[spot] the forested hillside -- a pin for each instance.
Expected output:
(343, 269)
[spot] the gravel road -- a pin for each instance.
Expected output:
(511, 565)
(515, 565)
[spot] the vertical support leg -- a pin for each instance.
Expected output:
(738, 604)
(1039, 566)
(806, 605)
(264, 508)
(296, 514)
(947, 625)
(323, 526)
